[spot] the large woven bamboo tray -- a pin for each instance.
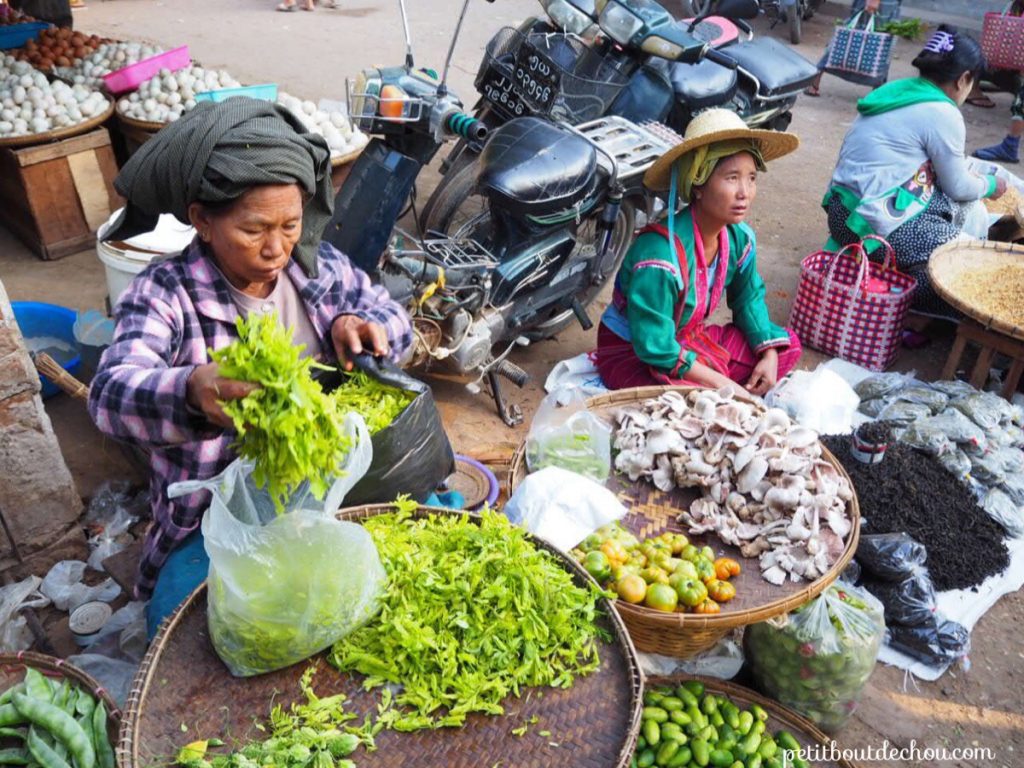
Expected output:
(33, 139)
(652, 512)
(954, 261)
(183, 684)
(779, 717)
(12, 672)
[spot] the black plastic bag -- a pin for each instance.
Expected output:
(412, 455)
(935, 644)
(890, 556)
(910, 602)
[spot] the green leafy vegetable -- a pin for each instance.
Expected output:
(312, 734)
(288, 426)
(378, 404)
(472, 613)
(911, 29)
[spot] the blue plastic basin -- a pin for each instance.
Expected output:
(39, 322)
(16, 35)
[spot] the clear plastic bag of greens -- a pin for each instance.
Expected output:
(817, 659)
(283, 587)
(565, 434)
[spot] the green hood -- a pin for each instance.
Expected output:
(899, 94)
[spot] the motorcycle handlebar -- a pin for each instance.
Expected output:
(720, 58)
(466, 126)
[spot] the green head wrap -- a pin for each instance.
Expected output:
(696, 166)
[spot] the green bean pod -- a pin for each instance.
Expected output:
(85, 704)
(12, 733)
(43, 754)
(37, 686)
(5, 697)
(101, 739)
(14, 756)
(9, 715)
(61, 725)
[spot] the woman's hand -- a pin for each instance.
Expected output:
(352, 334)
(206, 390)
(765, 373)
(1000, 188)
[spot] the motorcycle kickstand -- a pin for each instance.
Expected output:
(510, 413)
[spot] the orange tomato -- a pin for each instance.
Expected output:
(721, 591)
(708, 606)
(615, 552)
(632, 589)
(726, 568)
(654, 575)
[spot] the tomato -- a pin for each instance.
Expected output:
(654, 575)
(592, 542)
(597, 565)
(632, 589)
(619, 572)
(679, 542)
(691, 592)
(615, 552)
(690, 553)
(688, 569)
(707, 607)
(671, 563)
(721, 591)
(726, 568)
(709, 553)
(637, 558)
(705, 570)
(661, 597)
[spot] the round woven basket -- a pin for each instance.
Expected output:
(952, 262)
(652, 512)
(779, 718)
(12, 672)
(142, 125)
(348, 157)
(182, 682)
(62, 133)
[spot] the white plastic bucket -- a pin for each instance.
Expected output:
(123, 264)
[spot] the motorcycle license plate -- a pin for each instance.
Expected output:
(500, 91)
(536, 77)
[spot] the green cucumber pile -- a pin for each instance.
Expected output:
(53, 725)
(472, 613)
(289, 427)
(689, 727)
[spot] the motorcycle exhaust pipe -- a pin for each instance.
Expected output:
(606, 224)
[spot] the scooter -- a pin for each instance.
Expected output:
(605, 62)
(556, 215)
(793, 12)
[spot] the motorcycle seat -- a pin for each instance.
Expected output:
(533, 167)
(702, 85)
(778, 68)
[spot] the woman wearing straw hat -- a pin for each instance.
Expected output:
(655, 330)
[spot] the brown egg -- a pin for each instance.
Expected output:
(81, 52)
(45, 63)
(62, 61)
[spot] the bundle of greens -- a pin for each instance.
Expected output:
(911, 29)
(289, 427)
(378, 404)
(313, 734)
(472, 613)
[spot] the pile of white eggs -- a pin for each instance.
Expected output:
(168, 95)
(108, 58)
(30, 104)
(341, 136)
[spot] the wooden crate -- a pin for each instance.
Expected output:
(55, 196)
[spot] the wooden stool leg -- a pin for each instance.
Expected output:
(981, 368)
(959, 345)
(1013, 378)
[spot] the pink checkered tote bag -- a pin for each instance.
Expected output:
(1002, 39)
(852, 308)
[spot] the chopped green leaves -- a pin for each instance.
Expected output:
(377, 403)
(472, 613)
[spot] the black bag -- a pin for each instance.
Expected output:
(412, 455)
(890, 556)
(937, 643)
(910, 602)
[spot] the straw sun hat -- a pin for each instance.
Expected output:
(717, 125)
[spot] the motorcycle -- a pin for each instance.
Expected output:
(793, 12)
(602, 67)
(557, 213)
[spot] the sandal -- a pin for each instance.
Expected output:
(982, 102)
(285, 8)
(813, 91)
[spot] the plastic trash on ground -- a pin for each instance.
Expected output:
(14, 632)
(562, 507)
(723, 660)
(64, 586)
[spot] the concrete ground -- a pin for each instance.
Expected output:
(311, 54)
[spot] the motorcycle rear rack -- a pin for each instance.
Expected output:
(634, 148)
(464, 252)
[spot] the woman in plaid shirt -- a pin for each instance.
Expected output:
(256, 188)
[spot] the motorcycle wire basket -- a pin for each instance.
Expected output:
(547, 74)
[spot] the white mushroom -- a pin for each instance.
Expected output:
(752, 474)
